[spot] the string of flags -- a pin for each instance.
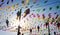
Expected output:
(30, 16)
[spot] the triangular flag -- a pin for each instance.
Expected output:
(22, 3)
(44, 9)
(2, 13)
(0, 8)
(57, 7)
(27, 1)
(43, 16)
(50, 8)
(57, 16)
(1, 4)
(35, 1)
(2, 0)
(8, 1)
(53, 19)
(49, 15)
(51, 23)
(38, 16)
(13, 6)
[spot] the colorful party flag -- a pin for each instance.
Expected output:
(22, 3)
(57, 16)
(27, 1)
(1, 4)
(49, 15)
(0, 8)
(43, 16)
(53, 19)
(44, 9)
(51, 23)
(13, 6)
(2, 0)
(35, 1)
(57, 7)
(2, 13)
(8, 1)
(50, 8)
(38, 16)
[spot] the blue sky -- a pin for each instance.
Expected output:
(41, 6)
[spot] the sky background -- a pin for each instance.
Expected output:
(39, 5)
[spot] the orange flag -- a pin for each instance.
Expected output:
(22, 3)
(38, 16)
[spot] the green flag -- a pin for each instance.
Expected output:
(57, 7)
(44, 9)
(50, 8)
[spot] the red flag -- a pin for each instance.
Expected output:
(1, 4)
(49, 15)
(51, 23)
(35, 1)
(43, 16)
(56, 16)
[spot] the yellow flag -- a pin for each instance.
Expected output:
(2, 13)
(27, 1)
(48, 20)
(12, 6)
